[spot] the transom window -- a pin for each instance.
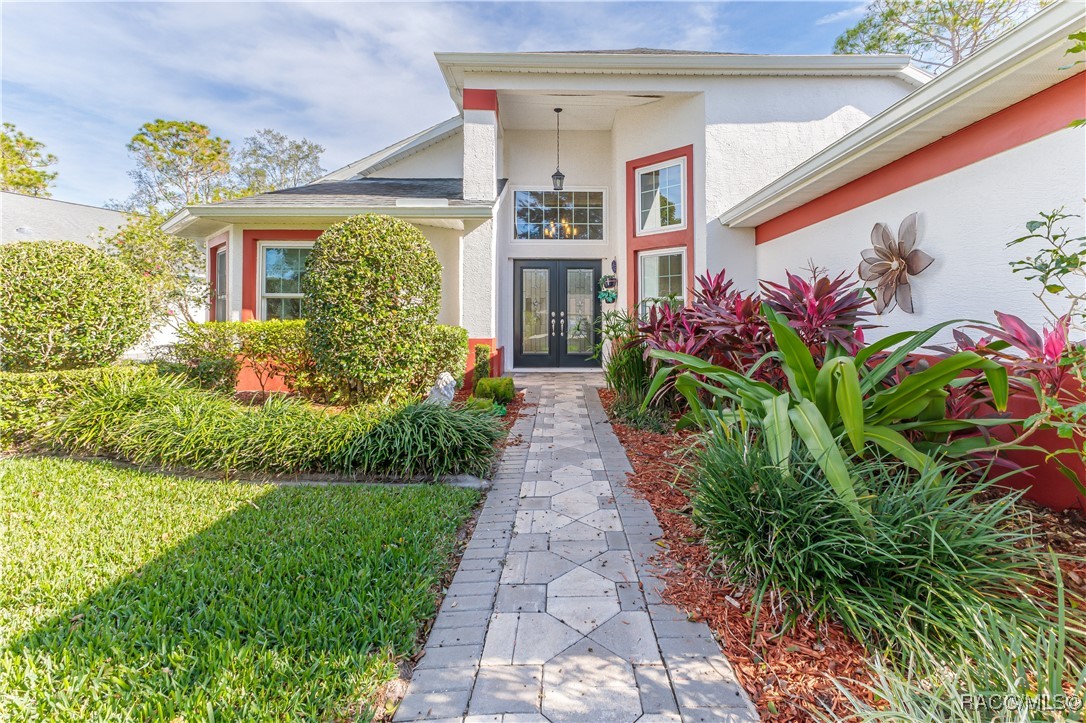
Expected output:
(660, 205)
(565, 215)
(662, 278)
(282, 268)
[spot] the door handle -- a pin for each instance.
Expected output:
(563, 326)
(552, 323)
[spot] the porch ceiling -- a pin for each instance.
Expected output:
(534, 110)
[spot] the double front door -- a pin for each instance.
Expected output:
(556, 314)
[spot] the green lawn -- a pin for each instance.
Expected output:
(131, 596)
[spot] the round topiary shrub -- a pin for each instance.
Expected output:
(67, 306)
(372, 290)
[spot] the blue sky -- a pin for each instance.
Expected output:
(354, 77)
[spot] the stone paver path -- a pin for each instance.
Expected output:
(553, 614)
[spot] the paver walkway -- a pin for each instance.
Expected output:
(553, 614)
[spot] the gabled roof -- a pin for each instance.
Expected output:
(1021, 63)
(397, 151)
(34, 218)
(439, 201)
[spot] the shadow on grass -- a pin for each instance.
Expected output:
(293, 605)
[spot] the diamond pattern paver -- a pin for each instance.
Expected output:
(554, 614)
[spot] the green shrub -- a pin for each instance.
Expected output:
(842, 408)
(631, 414)
(429, 440)
(373, 289)
(205, 354)
(67, 306)
(937, 552)
(31, 402)
(482, 362)
(500, 389)
(447, 352)
(163, 422)
(625, 369)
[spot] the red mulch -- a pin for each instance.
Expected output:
(786, 674)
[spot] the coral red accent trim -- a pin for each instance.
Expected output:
(478, 99)
(495, 358)
(1046, 112)
(670, 239)
(213, 266)
(250, 265)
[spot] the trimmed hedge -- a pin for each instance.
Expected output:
(447, 351)
(211, 355)
(482, 362)
(67, 306)
(162, 422)
(31, 402)
(372, 288)
(500, 389)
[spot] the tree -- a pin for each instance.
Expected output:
(171, 267)
(178, 163)
(935, 33)
(269, 161)
(23, 163)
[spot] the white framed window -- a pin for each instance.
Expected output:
(661, 197)
(222, 312)
(661, 277)
(569, 215)
(282, 264)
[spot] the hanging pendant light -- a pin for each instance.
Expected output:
(558, 178)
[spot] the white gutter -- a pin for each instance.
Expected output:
(454, 65)
(1038, 34)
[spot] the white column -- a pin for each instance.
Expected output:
(480, 155)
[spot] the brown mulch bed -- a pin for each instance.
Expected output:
(786, 669)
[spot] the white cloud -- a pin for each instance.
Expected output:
(82, 77)
(856, 11)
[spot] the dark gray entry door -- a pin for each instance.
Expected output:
(556, 313)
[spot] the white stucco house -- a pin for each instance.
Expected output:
(678, 162)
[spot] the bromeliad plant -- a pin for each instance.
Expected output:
(840, 407)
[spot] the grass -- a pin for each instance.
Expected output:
(162, 422)
(132, 596)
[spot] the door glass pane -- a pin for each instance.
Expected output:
(580, 332)
(535, 321)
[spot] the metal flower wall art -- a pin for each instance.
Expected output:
(889, 264)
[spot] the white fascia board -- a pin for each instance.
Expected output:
(455, 65)
(194, 215)
(1050, 27)
(423, 211)
(397, 151)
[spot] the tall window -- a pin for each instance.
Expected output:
(662, 278)
(282, 267)
(559, 215)
(221, 312)
(660, 197)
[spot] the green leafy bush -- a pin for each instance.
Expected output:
(163, 422)
(500, 389)
(482, 362)
(842, 408)
(425, 439)
(446, 351)
(30, 402)
(212, 354)
(67, 306)
(937, 553)
(373, 289)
